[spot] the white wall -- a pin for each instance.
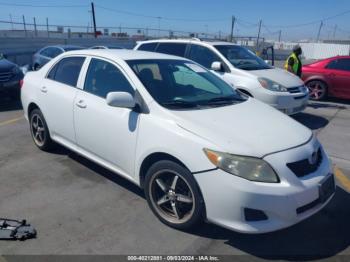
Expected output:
(316, 50)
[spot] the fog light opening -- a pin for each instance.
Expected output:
(254, 215)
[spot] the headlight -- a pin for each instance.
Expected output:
(271, 85)
(250, 168)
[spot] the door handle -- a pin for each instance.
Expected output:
(43, 89)
(81, 104)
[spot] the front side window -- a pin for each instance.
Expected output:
(203, 55)
(178, 84)
(103, 77)
(67, 70)
(177, 49)
(340, 64)
(242, 58)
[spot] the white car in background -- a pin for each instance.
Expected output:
(198, 148)
(241, 68)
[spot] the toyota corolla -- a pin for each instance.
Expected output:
(199, 149)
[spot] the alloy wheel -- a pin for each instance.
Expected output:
(38, 130)
(172, 196)
(317, 90)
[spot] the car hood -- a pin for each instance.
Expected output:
(250, 128)
(280, 76)
(6, 65)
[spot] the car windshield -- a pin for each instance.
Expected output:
(179, 84)
(242, 58)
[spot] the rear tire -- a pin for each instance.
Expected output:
(317, 90)
(39, 131)
(173, 195)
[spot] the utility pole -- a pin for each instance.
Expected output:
(47, 27)
(24, 26)
(159, 25)
(93, 18)
(279, 35)
(232, 27)
(11, 22)
(319, 32)
(36, 32)
(335, 30)
(257, 40)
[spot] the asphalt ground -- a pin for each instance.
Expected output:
(80, 208)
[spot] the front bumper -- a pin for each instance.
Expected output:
(288, 103)
(10, 86)
(226, 196)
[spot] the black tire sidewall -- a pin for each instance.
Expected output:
(199, 211)
(48, 143)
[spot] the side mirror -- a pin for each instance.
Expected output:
(120, 99)
(217, 66)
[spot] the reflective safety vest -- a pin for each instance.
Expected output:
(295, 65)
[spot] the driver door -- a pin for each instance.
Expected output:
(108, 134)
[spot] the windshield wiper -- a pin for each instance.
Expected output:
(224, 100)
(180, 103)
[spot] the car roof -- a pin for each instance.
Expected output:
(189, 40)
(123, 54)
(64, 46)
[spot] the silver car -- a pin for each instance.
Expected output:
(47, 53)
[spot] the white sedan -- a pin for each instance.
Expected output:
(199, 149)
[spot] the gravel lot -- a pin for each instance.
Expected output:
(80, 208)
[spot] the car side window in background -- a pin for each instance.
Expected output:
(203, 56)
(147, 47)
(340, 64)
(103, 77)
(45, 52)
(55, 52)
(177, 49)
(67, 70)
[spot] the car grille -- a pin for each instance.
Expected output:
(294, 90)
(304, 167)
(5, 76)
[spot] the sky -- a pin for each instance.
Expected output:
(296, 19)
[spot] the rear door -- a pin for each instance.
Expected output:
(58, 91)
(338, 72)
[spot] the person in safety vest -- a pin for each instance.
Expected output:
(293, 63)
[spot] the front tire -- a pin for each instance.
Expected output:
(173, 195)
(39, 131)
(317, 89)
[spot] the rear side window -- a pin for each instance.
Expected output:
(67, 70)
(177, 49)
(340, 64)
(103, 77)
(203, 56)
(147, 47)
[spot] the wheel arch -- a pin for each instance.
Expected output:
(159, 156)
(153, 158)
(31, 107)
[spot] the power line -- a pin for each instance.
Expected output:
(160, 17)
(45, 6)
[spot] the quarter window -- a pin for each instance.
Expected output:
(103, 77)
(203, 56)
(177, 49)
(67, 70)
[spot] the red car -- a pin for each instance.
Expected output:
(328, 77)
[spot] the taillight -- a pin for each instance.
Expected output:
(21, 83)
